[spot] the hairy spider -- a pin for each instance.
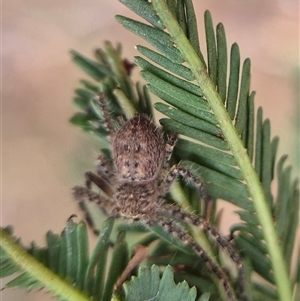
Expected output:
(137, 181)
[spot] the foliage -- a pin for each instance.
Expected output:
(67, 256)
(220, 143)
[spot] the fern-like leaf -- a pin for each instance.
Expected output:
(149, 286)
(202, 116)
(64, 266)
(66, 260)
(233, 155)
(231, 151)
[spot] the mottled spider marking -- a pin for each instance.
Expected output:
(138, 179)
(138, 150)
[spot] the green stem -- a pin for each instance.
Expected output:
(238, 150)
(180, 199)
(44, 276)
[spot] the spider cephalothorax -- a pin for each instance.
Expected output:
(137, 181)
(138, 150)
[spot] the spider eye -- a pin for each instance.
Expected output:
(126, 147)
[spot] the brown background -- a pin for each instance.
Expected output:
(43, 156)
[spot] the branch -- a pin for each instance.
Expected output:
(48, 279)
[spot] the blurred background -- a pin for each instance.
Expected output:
(43, 156)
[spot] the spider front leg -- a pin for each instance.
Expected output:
(104, 177)
(105, 169)
(103, 180)
(177, 170)
(106, 118)
(82, 194)
(99, 182)
(171, 142)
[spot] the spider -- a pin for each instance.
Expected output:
(137, 181)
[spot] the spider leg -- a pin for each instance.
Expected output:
(171, 142)
(84, 194)
(186, 239)
(84, 208)
(99, 181)
(191, 219)
(104, 177)
(177, 170)
(106, 118)
(188, 218)
(105, 169)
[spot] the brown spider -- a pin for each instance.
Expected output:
(138, 180)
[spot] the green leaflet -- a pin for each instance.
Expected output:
(233, 85)
(154, 36)
(222, 61)
(187, 119)
(168, 77)
(194, 133)
(145, 10)
(92, 68)
(149, 286)
(166, 63)
(119, 261)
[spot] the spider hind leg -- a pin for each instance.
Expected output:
(184, 238)
(190, 219)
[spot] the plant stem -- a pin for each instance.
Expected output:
(237, 148)
(44, 276)
(180, 198)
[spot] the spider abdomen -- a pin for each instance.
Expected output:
(135, 199)
(138, 150)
